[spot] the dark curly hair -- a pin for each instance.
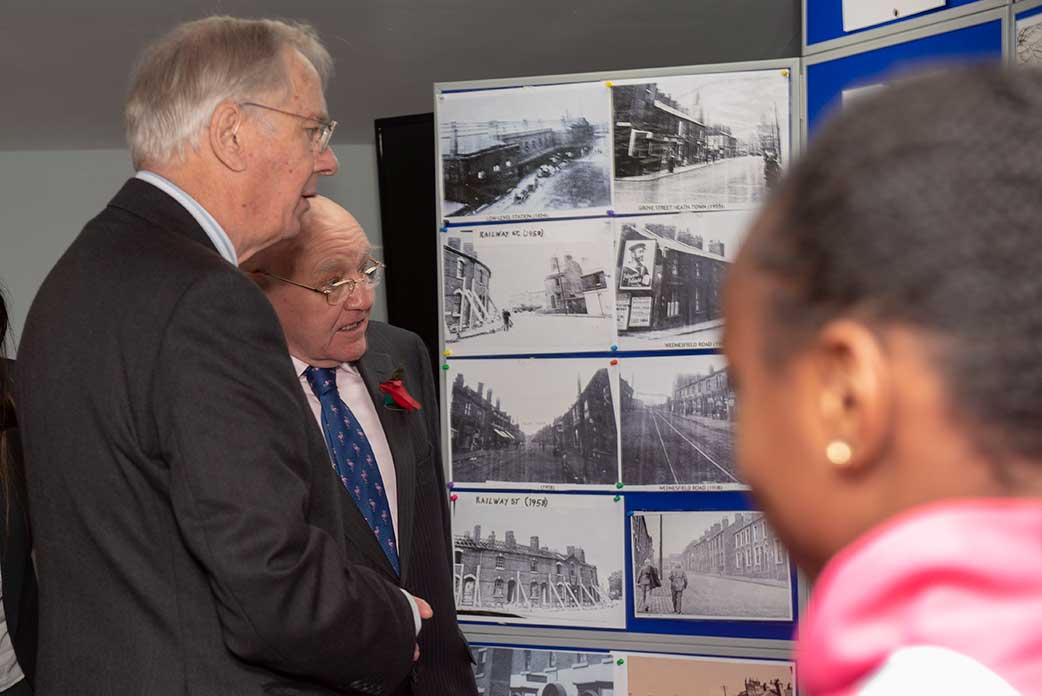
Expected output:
(922, 205)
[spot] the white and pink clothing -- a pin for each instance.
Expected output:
(943, 599)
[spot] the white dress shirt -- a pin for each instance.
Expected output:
(353, 392)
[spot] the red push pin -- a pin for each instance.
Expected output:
(614, 361)
(454, 497)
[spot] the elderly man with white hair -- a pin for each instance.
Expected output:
(189, 530)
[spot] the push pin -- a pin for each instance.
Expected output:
(448, 353)
(620, 662)
(618, 498)
(445, 366)
(450, 485)
(611, 213)
(614, 348)
(784, 73)
(614, 361)
(454, 497)
(619, 485)
(608, 83)
(443, 229)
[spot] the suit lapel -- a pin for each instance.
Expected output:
(375, 367)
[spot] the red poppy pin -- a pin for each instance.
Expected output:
(395, 393)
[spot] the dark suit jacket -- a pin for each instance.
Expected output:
(16, 565)
(189, 529)
(424, 534)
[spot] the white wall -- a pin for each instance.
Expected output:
(46, 196)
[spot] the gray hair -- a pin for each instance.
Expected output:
(182, 77)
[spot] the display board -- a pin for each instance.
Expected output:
(832, 24)
(836, 77)
(586, 224)
(503, 670)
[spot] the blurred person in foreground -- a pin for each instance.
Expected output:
(188, 527)
(371, 391)
(884, 332)
(17, 580)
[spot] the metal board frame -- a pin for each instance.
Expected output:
(918, 22)
(608, 639)
(894, 39)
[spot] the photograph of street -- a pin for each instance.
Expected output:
(538, 287)
(670, 271)
(1029, 40)
(675, 675)
(550, 421)
(676, 422)
(539, 558)
(525, 152)
(713, 141)
(502, 671)
(709, 565)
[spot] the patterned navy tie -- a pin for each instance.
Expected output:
(353, 459)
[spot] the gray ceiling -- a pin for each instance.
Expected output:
(64, 65)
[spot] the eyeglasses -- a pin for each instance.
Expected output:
(339, 290)
(319, 136)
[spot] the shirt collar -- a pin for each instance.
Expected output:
(207, 221)
(300, 366)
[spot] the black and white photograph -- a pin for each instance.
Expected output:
(713, 141)
(548, 423)
(537, 287)
(676, 423)
(1029, 39)
(648, 674)
(709, 565)
(671, 270)
(533, 672)
(525, 152)
(539, 558)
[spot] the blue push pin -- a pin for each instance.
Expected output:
(611, 213)
(614, 348)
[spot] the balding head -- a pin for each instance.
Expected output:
(331, 247)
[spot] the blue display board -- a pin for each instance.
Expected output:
(827, 80)
(825, 19)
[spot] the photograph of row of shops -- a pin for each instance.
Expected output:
(710, 141)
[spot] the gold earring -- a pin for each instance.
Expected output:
(838, 452)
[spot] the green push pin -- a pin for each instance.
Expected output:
(619, 485)
(445, 366)
(620, 662)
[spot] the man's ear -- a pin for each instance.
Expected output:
(855, 401)
(227, 137)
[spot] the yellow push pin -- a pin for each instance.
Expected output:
(784, 73)
(448, 353)
(608, 83)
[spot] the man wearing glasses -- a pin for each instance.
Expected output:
(189, 529)
(386, 454)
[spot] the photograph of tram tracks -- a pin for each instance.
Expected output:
(677, 415)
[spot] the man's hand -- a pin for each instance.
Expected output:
(425, 613)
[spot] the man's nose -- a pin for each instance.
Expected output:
(327, 164)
